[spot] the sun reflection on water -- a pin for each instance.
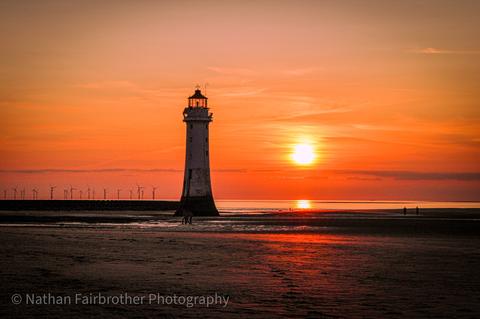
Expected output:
(303, 204)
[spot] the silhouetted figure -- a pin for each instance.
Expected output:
(417, 210)
(187, 217)
(404, 210)
(184, 217)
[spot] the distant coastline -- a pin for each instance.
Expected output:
(87, 205)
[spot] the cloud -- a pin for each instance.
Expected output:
(370, 127)
(442, 51)
(108, 85)
(312, 117)
(110, 170)
(356, 178)
(299, 71)
(414, 175)
(351, 174)
(245, 92)
(96, 170)
(117, 89)
(232, 71)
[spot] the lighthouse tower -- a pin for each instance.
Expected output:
(197, 190)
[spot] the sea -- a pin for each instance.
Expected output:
(307, 204)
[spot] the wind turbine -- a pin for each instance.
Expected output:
(71, 192)
(81, 193)
(51, 191)
(139, 191)
(14, 193)
(22, 193)
(104, 193)
(88, 191)
(131, 193)
(153, 192)
(118, 193)
(35, 193)
(65, 193)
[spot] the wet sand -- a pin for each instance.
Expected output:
(349, 265)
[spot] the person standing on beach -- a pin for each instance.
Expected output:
(417, 210)
(187, 217)
(404, 210)
(184, 217)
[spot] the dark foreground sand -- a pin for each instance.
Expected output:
(269, 266)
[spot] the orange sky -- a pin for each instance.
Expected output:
(92, 93)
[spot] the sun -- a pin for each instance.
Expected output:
(303, 154)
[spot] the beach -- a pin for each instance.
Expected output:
(316, 265)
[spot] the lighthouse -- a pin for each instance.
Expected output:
(197, 189)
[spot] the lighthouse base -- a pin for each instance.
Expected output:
(199, 206)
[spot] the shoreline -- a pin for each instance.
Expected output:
(455, 222)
